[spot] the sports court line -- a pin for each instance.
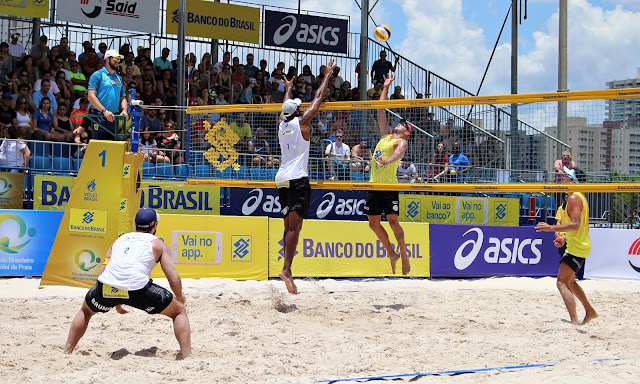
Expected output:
(476, 370)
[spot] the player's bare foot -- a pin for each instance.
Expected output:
(589, 316)
(288, 281)
(394, 257)
(406, 265)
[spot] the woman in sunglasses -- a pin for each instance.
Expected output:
(23, 117)
(224, 80)
(170, 141)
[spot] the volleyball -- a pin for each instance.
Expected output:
(382, 32)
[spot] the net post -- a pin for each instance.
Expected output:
(136, 115)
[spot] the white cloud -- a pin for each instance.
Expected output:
(602, 46)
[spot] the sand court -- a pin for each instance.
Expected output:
(335, 330)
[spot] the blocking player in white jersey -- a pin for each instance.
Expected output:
(125, 280)
(292, 179)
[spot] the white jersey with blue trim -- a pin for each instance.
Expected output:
(131, 262)
(295, 151)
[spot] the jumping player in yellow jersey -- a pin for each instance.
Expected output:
(578, 248)
(388, 153)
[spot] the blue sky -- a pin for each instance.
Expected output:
(454, 39)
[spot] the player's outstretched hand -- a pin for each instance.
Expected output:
(329, 68)
(288, 84)
(544, 227)
(388, 80)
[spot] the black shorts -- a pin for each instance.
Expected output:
(295, 197)
(382, 201)
(151, 299)
(574, 262)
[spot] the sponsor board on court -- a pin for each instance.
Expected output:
(11, 190)
(615, 254)
(347, 249)
(27, 238)
(459, 209)
(216, 246)
(53, 192)
(465, 250)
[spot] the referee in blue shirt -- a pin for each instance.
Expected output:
(107, 96)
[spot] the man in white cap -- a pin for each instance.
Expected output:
(108, 97)
(125, 280)
(292, 179)
(578, 248)
(16, 49)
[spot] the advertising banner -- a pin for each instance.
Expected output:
(175, 197)
(459, 209)
(465, 250)
(26, 8)
(615, 254)
(132, 15)
(347, 249)
(325, 204)
(27, 237)
(11, 190)
(314, 33)
(216, 246)
(216, 20)
(101, 207)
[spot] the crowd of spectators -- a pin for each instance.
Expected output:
(45, 91)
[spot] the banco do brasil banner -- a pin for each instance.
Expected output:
(465, 250)
(325, 204)
(53, 193)
(312, 33)
(28, 8)
(216, 20)
(132, 15)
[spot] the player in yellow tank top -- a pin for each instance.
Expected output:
(578, 248)
(388, 153)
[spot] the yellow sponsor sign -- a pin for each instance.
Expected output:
(11, 190)
(347, 249)
(459, 210)
(216, 20)
(53, 193)
(93, 218)
(229, 247)
(28, 8)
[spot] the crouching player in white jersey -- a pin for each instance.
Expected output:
(292, 179)
(125, 280)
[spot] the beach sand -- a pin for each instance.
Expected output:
(255, 332)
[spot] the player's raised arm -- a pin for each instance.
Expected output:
(309, 113)
(383, 125)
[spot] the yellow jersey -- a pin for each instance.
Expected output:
(384, 149)
(578, 242)
(562, 218)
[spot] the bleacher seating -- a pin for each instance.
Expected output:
(61, 164)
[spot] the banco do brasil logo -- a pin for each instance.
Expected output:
(413, 209)
(85, 259)
(15, 234)
(241, 248)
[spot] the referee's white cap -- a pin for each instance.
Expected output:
(112, 53)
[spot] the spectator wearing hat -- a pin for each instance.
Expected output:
(162, 62)
(107, 97)
(16, 49)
